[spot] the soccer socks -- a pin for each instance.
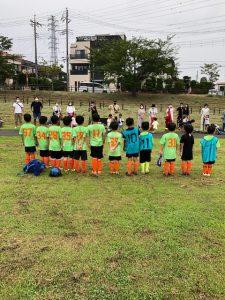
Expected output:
(27, 158)
(111, 167)
(205, 168)
(32, 156)
(71, 164)
(172, 167)
(77, 167)
(58, 163)
(53, 163)
(46, 161)
(143, 168)
(94, 165)
(166, 168)
(117, 166)
(189, 165)
(65, 164)
(83, 165)
(42, 158)
(210, 169)
(184, 167)
(129, 166)
(147, 166)
(99, 166)
(136, 166)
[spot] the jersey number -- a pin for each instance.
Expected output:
(53, 135)
(172, 143)
(27, 131)
(41, 135)
(66, 136)
(96, 133)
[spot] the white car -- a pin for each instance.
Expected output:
(92, 87)
(213, 92)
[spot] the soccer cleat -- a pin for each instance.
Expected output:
(135, 173)
(208, 175)
(204, 174)
(94, 173)
(117, 173)
(128, 174)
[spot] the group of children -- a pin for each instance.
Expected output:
(70, 145)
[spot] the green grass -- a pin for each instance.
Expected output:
(130, 104)
(79, 237)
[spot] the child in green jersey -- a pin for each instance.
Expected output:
(55, 136)
(27, 132)
(169, 145)
(80, 145)
(96, 135)
(67, 143)
(42, 135)
(114, 139)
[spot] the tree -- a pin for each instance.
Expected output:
(51, 72)
(7, 69)
(132, 61)
(212, 70)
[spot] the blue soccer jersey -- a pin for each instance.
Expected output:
(209, 146)
(131, 136)
(146, 141)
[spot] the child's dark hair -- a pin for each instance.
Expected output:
(155, 119)
(27, 117)
(96, 117)
(43, 120)
(129, 121)
(171, 126)
(211, 129)
(145, 125)
(67, 120)
(114, 125)
(188, 128)
(79, 120)
(120, 115)
(54, 119)
(110, 115)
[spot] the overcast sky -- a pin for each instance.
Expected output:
(198, 26)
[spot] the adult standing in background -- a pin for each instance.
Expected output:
(152, 114)
(141, 115)
(114, 109)
(186, 110)
(56, 110)
(36, 107)
(204, 113)
(70, 110)
(170, 111)
(180, 115)
(223, 119)
(18, 111)
(92, 110)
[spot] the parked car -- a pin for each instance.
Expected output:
(213, 92)
(92, 86)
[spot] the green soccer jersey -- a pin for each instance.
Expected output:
(28, 132)
(170, 141)
(67, 138)
(96, 132)
(114, 138)
(80, 135)
(42, 134)
(55, 138)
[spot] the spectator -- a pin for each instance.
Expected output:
(186, 111)
(223, 120)
(92, 110)
(152, 115)
(180, 114)
(204, 112)
(70, 110)
(18, 111)
(114, 109)
(170, 111)
(36, 107)
(141, 114)
(57, 110)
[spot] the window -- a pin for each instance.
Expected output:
(80, 69)
(80, 54)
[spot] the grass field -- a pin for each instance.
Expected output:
(79, 237)
(113, 237)
(129, 105)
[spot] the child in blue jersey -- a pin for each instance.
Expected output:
(131, 146)
(209, 144)
(146, 145)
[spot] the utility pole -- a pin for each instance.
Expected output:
(66, 19)
(35, 24)
(53, 40)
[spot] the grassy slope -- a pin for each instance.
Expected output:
(79, 237)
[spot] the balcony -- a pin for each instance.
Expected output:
(78, 72)
(79, 56)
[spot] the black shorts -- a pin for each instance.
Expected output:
(30, 149)
(112, 158)
(186, 157)
(56, 154)
(80, 154)
(145, 156)
(132, 155)
(44, 153)
(170, 160)
(209, 162)
(68, 154)
(97, 152)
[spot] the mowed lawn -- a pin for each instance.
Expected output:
(111, 237)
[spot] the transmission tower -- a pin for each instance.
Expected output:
(52, 25)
